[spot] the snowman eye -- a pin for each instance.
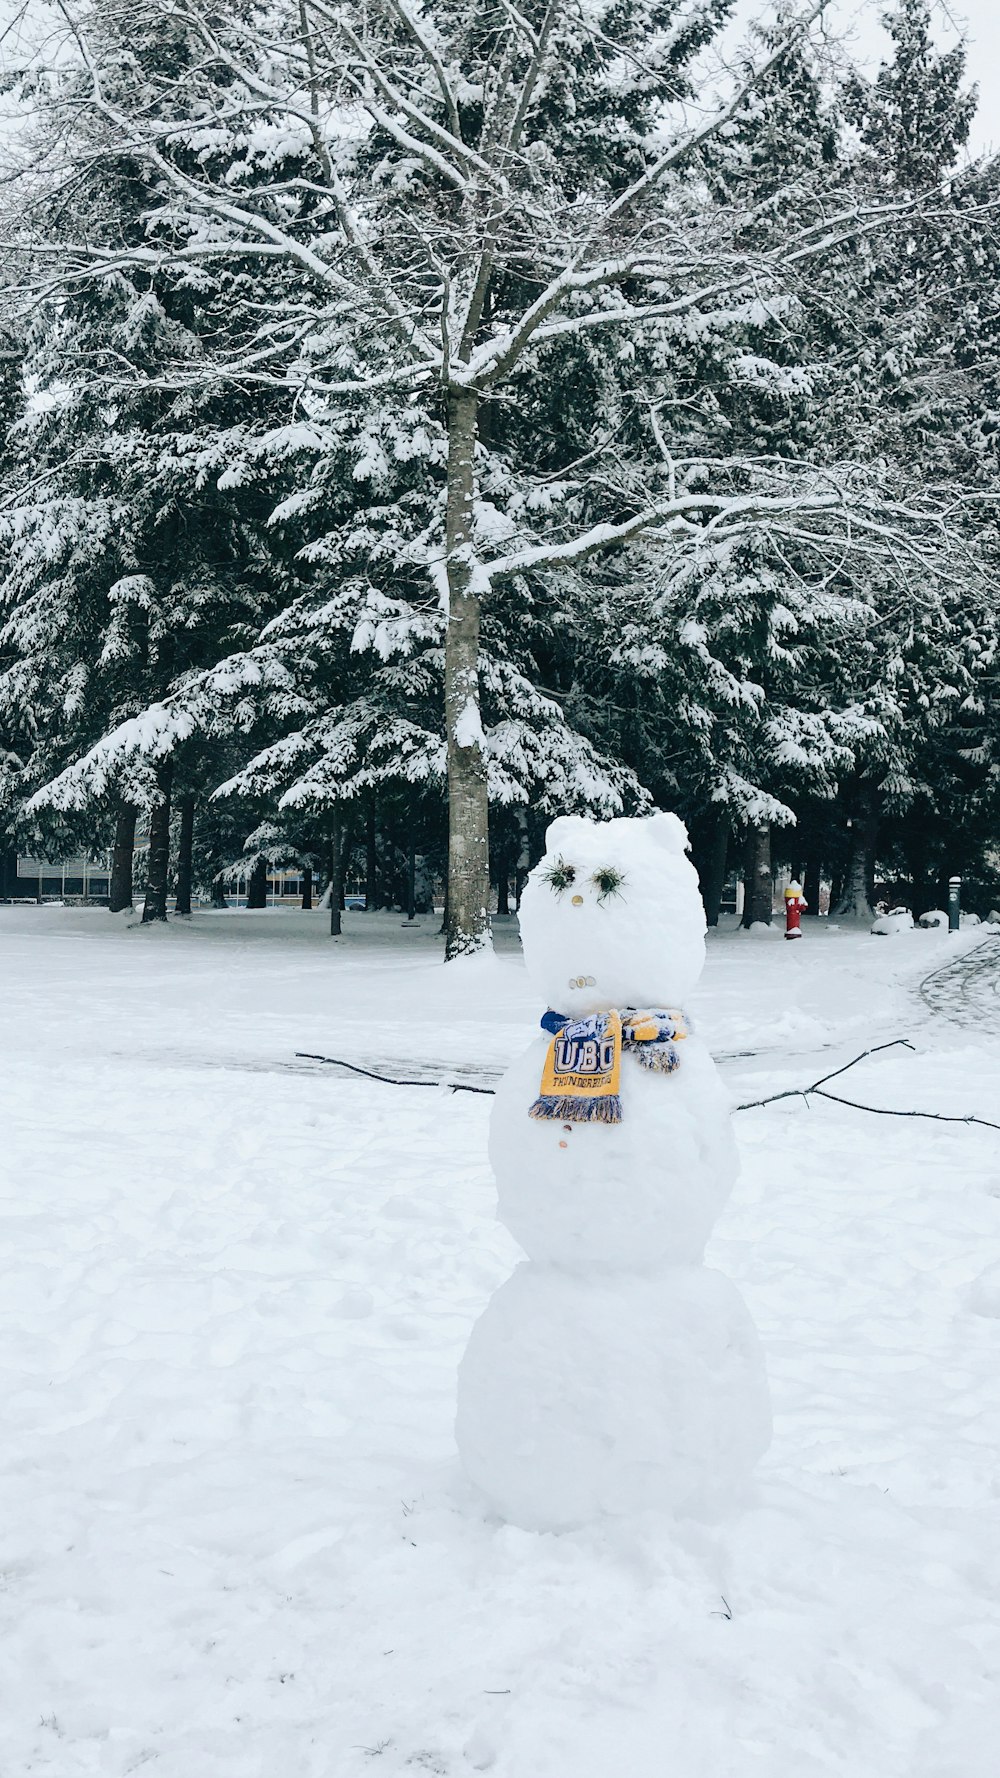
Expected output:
(608, 881)
(559, 876)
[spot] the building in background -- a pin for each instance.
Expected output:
(74, 879)
(88, 880)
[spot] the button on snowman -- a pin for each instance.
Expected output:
(613, 1372)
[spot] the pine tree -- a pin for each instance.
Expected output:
(510, 209)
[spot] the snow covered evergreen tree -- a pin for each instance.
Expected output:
(488, 363)
(925, 343)
(461, 210)
(746, 671)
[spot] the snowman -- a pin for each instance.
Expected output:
(613, 1372)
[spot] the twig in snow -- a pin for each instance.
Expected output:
(819, 1089)
(940, 1117)
(804, 1092)
(456, 1086)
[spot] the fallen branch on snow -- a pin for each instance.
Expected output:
(818, 1089)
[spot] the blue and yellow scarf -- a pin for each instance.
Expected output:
(582, 1073)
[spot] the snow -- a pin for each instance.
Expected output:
(612, 1394)
(984, 1292)
(468, 726)
(237, 1543)
(891, 924)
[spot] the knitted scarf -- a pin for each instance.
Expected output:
(582, 1073)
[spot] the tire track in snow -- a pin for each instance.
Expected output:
(966, 991)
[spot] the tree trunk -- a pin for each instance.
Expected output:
(219, 893)
(760, 885)
(387, 899)
(411, 882)
(813, 882)
(858, 893)
(714, 877)
(307, 887)
(121, 864)
(503, 881)
(338, 862)
(921, 885)
(468, 814)
(154, 906)
(523, 864)
(182, 902)
(371, 861)
(257, 885)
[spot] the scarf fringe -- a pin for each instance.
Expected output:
(659, 1058)
(604, 1108)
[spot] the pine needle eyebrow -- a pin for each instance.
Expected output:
(608, 881)
(560, 875)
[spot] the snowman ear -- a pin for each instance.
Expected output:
(564, 830)
(669, 832)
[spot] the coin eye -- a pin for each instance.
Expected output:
(559, 876)
(607, 882)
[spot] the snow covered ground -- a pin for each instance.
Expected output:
(234, 1539)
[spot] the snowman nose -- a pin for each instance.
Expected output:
(578, 901)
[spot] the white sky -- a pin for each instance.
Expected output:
(979, 20)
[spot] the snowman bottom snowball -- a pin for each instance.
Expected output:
(583, 1397)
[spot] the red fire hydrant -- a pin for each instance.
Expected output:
(795, 901)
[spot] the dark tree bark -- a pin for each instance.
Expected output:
(257, 885)
(154, 906)
(812, 882)
(339, 851)
(411, 881)
(921, 884)
(307, 887)
(468, 924)
(760, 885)
(219, 893)
(856, 901)
(388, 894)
(523, 857)
(182, 902)
(503, 883)
(713, 879)
(371, 862)
(120, 897)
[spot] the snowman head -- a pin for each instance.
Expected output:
(612, 915)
